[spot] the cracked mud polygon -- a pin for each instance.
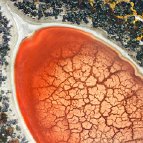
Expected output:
(77, 89)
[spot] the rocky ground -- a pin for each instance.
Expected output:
(10, 131)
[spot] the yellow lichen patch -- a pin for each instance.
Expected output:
(139, 38)
(113, 4)
(134, 12)
(91, 2)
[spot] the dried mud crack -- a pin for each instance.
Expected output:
(72, 88)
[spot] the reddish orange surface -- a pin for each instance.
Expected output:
(72, 88)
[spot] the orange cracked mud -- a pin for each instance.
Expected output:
(72, 88)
